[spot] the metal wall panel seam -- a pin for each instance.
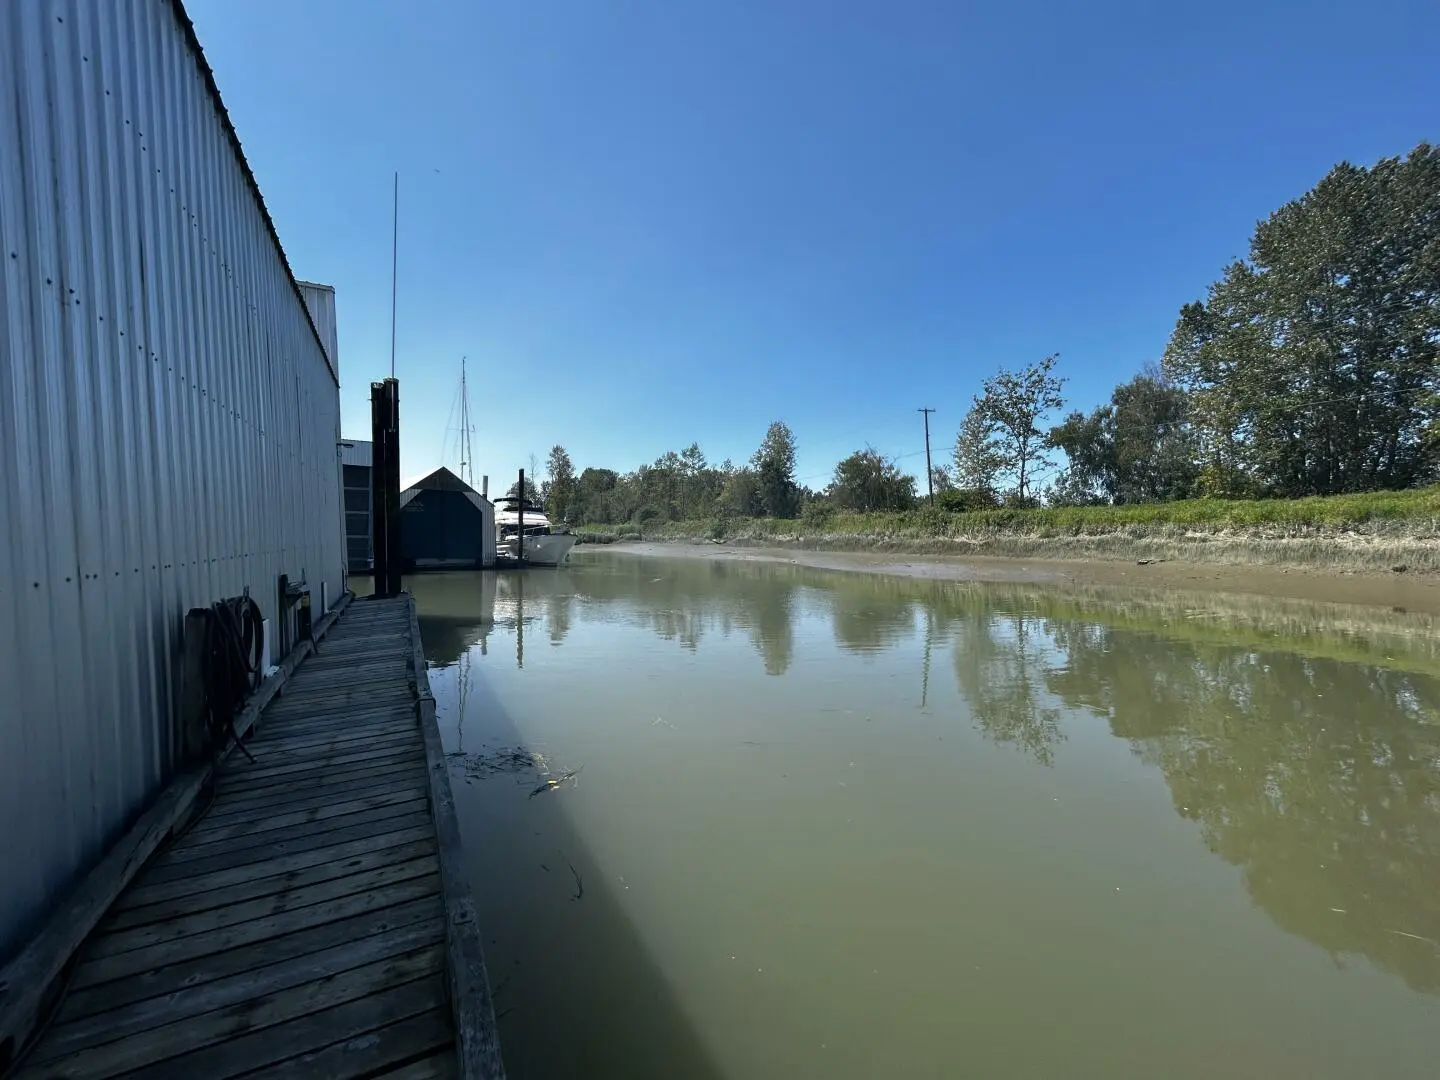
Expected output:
(170, 410)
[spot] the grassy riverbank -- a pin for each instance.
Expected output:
(1371, 531)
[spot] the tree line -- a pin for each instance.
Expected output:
(1311, 367)
(678, 485)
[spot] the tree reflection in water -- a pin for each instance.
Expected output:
(1319, 778)
(1303, 740)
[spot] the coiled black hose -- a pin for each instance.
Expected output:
(234, 645)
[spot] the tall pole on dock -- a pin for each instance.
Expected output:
(394, 264)
(929, 472)
(520, 519)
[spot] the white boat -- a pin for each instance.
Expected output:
(544, 544)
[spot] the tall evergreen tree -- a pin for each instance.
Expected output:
(774, 466)
(560, 483)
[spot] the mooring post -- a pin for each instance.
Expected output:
(379, 537)
(385, 486)
(520, 521)
(392, 492)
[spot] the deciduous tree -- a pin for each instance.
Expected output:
(1138, 448)
(866, 480)
(1014, 403)
(1314, 363)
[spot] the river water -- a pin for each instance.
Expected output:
(846, 825)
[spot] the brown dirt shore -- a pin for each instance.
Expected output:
(1412, 592)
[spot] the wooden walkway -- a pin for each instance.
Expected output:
(304, 926)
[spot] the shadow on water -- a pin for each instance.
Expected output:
(577, 992)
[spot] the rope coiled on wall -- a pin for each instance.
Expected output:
(234, 645)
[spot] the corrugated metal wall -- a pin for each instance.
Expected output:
(168, 421)
(320, 301)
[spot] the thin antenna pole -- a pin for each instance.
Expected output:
(929, 471)
(394, 264)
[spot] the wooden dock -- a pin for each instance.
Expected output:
(314, 920)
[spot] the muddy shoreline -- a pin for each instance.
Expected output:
(1412, 592)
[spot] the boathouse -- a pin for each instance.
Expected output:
(445, 524)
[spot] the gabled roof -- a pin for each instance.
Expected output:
(442, 479)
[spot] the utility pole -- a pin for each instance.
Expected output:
(929, 472)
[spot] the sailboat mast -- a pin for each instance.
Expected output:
(466, 471)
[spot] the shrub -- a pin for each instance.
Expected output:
(816, 514)
(966, 500)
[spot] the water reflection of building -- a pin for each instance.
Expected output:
(457, 611)
(460, 610)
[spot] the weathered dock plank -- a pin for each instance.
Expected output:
(314, 920)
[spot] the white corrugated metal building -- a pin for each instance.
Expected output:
(320, 302)
(168, 417)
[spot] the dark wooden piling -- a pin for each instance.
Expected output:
(520, 520)
(385, 486)
(315, 920)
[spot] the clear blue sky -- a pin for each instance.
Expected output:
(648, 222)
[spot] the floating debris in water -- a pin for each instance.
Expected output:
(511, 759)
(553, 782)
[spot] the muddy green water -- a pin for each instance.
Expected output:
(839, 825)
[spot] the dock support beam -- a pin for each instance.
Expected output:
(385, 486)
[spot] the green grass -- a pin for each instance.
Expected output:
(1318, 512)
(1370, 530)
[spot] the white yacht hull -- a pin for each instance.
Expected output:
(543, 549)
